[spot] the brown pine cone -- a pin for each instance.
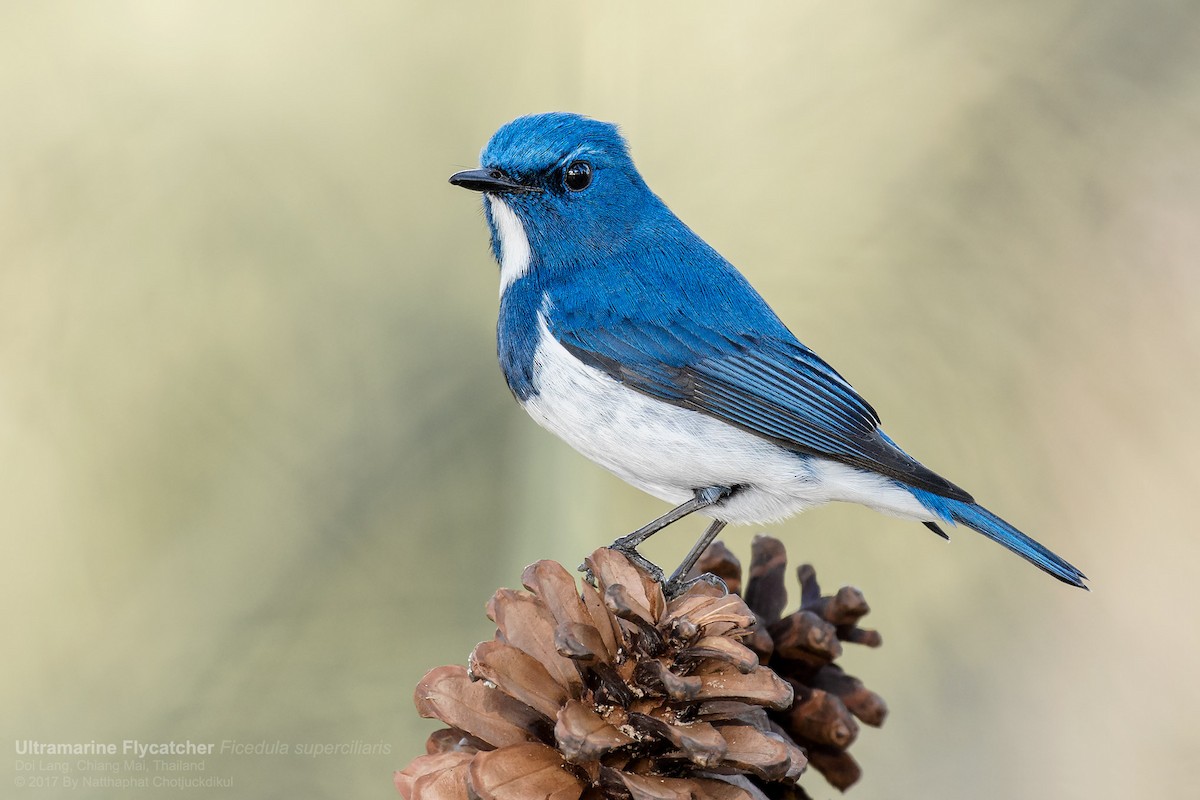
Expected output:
(610, 691)
(801, 648)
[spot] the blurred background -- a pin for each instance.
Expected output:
(261, 471)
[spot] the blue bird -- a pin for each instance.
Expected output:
(622, 332)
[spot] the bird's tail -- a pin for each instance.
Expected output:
(978, 518)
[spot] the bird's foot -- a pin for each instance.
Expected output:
(636, 558)
(627, 545)
(678, 586)
(641, 562)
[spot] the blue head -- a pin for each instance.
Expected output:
(572, 221)
(582, 240)
(561, 191)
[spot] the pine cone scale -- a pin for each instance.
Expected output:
(517, 674)
(582, 734)
(448, 694)
(529, 771)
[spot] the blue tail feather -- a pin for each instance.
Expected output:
(978, 518)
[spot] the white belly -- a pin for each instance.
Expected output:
(669, 451)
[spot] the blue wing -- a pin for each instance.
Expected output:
(770, 385)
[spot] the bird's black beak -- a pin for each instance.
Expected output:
(489, 180)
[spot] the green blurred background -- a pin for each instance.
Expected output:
(261, 471)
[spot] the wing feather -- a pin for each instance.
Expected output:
(768, 386)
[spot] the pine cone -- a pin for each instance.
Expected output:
(609, 692)
(801, 649)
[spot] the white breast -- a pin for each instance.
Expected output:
(669, 451)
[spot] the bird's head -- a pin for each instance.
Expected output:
(558, 188)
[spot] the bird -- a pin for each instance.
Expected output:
(625, 334)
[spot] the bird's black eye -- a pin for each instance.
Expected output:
(578, 176)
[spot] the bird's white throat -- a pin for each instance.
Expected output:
(514, 244)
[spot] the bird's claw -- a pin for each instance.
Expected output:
(644, 564)
(677, 586)
(638, 560)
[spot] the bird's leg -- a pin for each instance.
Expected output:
(627, 545)
(701, 498)
(678, 583)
